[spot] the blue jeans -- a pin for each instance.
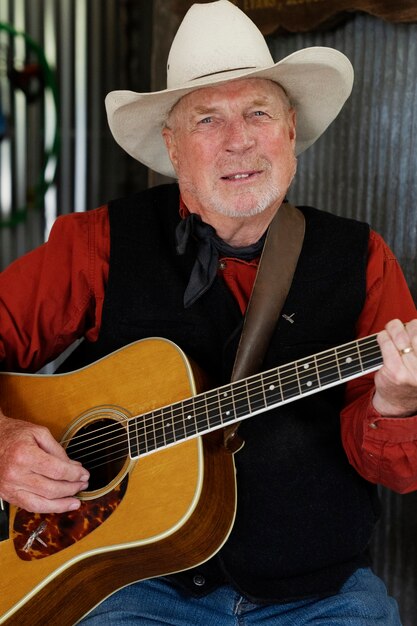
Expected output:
(362, 601)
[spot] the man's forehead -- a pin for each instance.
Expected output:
(256, 89)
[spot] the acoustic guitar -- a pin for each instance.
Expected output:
(162, 493)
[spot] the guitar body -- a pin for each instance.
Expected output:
(163, 513)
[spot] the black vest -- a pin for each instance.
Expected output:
(304, 516)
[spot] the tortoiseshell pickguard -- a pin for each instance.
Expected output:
(59, 531)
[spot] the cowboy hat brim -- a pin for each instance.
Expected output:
(317, 80)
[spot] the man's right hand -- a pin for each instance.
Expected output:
(35, 471)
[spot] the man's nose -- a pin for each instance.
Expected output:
(238, 136)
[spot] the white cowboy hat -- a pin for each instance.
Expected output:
(217, 42)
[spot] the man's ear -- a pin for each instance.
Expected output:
(292, 118)
(170, 143)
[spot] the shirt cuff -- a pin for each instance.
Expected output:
(389, 446)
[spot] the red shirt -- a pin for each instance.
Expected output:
(64, 281)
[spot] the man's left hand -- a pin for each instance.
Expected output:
(396, 381)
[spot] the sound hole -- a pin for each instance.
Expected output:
(102, 448)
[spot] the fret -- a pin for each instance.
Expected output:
(308, 376)
(272, 384)
(290, 384)
(241, 399)
(348, 360)
(142, 443)
(157, 432)
(227, 406)
(213, 408)
(256, 394)
(190, 424)
(370, 353)
(328, 368)
(178, 422)
(149, 432)
(132, 430)
(200, 413)
(168, 425)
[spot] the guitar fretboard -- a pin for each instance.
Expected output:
(245, 398)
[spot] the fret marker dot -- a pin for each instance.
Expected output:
(306, 366)
(271, 387)
(309, 383)
(189, 417)
(349, 359)
(227, 412)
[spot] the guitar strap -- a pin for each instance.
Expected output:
(273, 280)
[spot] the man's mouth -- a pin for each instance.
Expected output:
(240, 176)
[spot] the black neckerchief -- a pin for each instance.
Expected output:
(209, 248)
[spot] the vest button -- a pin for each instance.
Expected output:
(199, 580)
(222, 265)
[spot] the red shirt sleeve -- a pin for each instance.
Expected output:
(382, 449)
(54, 294)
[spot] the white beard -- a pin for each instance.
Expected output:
(250, 203)
(267, 199)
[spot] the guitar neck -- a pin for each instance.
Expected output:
(245, 398)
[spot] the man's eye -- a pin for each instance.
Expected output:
(259, 113)
(206, 120)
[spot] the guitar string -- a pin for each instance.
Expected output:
(294, 376)
(202, 399)
(298, 378)
(116, 458)
(118, 454)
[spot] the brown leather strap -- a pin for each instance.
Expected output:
(276, 268)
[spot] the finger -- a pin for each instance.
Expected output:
(26, 457)
(399, 334)
(24, 489)
(47, 443)
(31, 446)
(390, 352)
(30, 484)
(57, 469)
(36, 479)
(411, 328)
(35, 503)
(404, 336)
(395, 368)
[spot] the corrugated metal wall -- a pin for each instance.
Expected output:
(365, 166)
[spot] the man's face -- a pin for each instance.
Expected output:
(232, 147)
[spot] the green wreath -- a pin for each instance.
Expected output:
(45, 80)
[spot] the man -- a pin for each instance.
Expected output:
(228, 127)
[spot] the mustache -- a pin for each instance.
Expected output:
(227, 167)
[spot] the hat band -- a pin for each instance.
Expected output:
(234, 69)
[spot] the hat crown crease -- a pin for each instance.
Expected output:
(213, 39)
